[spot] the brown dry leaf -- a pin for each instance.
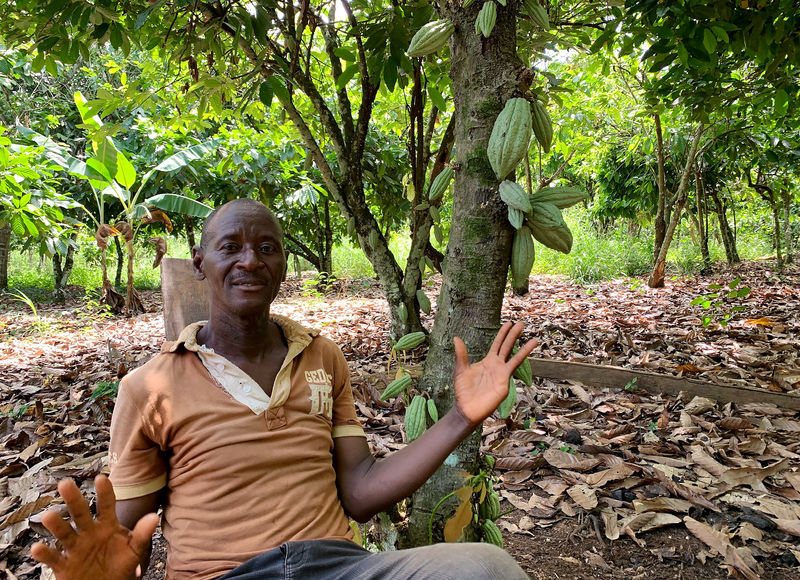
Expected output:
(689, 368)
(571, 461)
(720, 543)
(463, 515)
(615, 473)
(793, 478)
(583, 495)
(610, 524)
(788, 526)
(704, 460)
(516, 477)
(753, 476)
(553, 485)
(518, 463)
(662, 504)
(595, 560)
(25, 511)
(749, 533)
(734, 424)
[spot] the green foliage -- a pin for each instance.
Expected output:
(721, 304)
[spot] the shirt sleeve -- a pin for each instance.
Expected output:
(345, 420)
(138, 464)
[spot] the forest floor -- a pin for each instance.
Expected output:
(595, 482)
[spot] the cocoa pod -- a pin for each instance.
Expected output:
(559, 238)
(396, 387)
(487, 17)
(510, 136)
(545, 215)
(440, 184)
(542, 125)
(515, 217)
(424, 301)
(491, 533)
(522, 258)
(561, 197)
(416, 418)
(409, 341)
(430, 38)
(513, 194)
(489, 508)
(433, 412)
(537, 13)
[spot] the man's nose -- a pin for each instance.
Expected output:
(249, 259)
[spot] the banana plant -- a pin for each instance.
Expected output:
(111, 174)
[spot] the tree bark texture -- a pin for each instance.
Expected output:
(61, 273)
(786, 201)
(702, 223)
(5, 253)
(484, 74)
(726, 233)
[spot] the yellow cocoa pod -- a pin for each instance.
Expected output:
(510, 136)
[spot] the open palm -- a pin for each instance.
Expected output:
(95, 548)
(482, 386)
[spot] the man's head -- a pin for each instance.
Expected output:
(241, 256)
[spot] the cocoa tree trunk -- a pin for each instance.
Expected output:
(120, 259)
(5, 252)
(189, 221)
(726, 233)
(484, 75)
(786, 199)
(777, 234)
(61, 273)
(702, 224)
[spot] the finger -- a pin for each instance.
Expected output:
(76, 504)
(46, 555)
(60, 528)
(106, 501)
(510, 340)
(142, 532)
(501, 336)
(524, 352)
(462, 358)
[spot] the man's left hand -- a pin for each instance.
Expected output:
(482, 386)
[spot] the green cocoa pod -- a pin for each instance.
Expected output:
(537, 13)
(545, 215)
(522, 258)
(501, 2)
(424, 301)
(431, 37)
(422, 207)
(433, 412)
(489, 509)
(524, 372)
(440, 184)
(435, 216)
(542, 125)
(467, 3)
(559, 239)
(513, 194)
(409, 341)
(510, 136)
(561, 197)
(486, 19)
(402, 313)
(504, 408)
(515, 217)
(396, 387)
(491, 533)
(373, 239)
(416, 418)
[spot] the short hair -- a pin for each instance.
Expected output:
(205, 232)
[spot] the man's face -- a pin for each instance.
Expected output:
(242, 260)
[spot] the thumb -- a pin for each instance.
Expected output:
(462, 358)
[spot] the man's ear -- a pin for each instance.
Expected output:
(197, 263)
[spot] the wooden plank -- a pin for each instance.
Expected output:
(185, 298)
(617, 377)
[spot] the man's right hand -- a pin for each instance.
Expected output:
(94, 548)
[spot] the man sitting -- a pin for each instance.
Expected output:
(245, 432)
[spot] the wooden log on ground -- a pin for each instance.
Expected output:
(618, 378)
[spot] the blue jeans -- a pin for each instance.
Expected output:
(340, 560)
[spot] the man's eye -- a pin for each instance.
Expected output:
(268, 248)
(229, 247)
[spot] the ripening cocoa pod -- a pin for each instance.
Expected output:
(512, 193)
(510, 136)
(542, 125)
(396, 387)
(409, 341)
(416, 418)
(561, 197)
(522, 258)
(431, 37)
(491, 533)
(440, 184)
(484, 24)
(424, 301)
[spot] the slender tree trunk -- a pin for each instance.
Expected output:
(478, 251)
(786, 199)
(657, 276)
(660, 221)
(702, 224)
(61, 273)
(189, 221)
(728, 239)
(5, 252)
(120, 261)
(777, 234)
(327, 254)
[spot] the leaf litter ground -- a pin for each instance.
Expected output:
(596, 483)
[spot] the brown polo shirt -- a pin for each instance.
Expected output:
(239, 480)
